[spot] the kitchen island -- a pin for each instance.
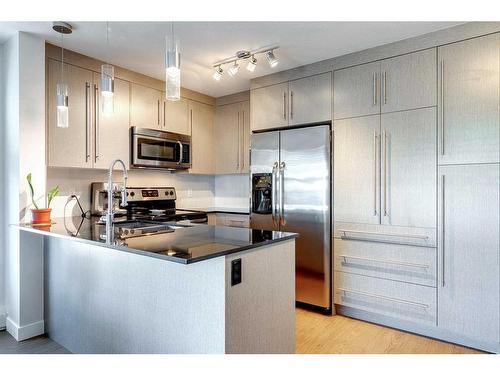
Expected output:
(173, 291)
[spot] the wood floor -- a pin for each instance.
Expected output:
(320, 334)
(315, 334)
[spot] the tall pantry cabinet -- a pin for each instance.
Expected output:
(469, 189)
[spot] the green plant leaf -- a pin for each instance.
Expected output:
(51, 194)
(32, 191)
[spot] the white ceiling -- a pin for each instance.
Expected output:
(140, 46)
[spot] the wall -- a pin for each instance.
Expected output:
(2, 194)
(77, 181)
(232, 190)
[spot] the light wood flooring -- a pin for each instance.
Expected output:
(321, 334)
(315, 334)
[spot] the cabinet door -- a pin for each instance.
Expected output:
(145, 107)
(409, 81)
(202, 138)
(408, 168)
(269, 107)
(111, 139)
(356, 91)
(356, 170)
(310, 99)
(468, 251)
(72, 146)
(469, 101)
(176, 118)
(245, 136)
(227, 147)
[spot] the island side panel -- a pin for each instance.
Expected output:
(260, 311)
(101, 300)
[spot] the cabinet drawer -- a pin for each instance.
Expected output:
(399, 300)
(233, 220)
(413, 264)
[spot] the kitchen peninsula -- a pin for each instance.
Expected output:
(181, 289)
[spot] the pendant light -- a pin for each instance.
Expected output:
(172, 67)
(61, 87)
(107, 82)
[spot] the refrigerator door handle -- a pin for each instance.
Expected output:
(282, 193)
(273, 194)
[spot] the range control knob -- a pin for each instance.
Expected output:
(171, 192)
(132, 194)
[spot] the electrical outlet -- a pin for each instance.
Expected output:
(190, 193)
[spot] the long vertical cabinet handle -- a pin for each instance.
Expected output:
(385, 174)
(282, 193)
(442, 230)
(158, 112)
(291, 104)
(273, 193)
(238, 148)
(384, 87)
(164, 114)
(284, 105)
(374, 84)
(442, 107)
(87, 121)
(242, 140)
(97, 138)
(375, 159)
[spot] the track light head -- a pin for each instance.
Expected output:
(233, 70)
(218, 73)
(252, 64)
(271, 59)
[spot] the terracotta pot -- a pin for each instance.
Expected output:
(41, 216)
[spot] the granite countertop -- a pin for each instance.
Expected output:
(183, 244)
(223, 210)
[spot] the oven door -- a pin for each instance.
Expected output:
(156, 152)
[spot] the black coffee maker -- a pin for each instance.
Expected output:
(262, 193)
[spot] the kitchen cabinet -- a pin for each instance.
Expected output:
(469, 101)
(395, 84)
(357, 170)
(468, 251)
(302, 101)
(146, 107)
(356, 91)
(111, 132)
(176, 116)
(310, 99)
(408, 168)
(202, 138)
(232, 133)
(72, 146)
(268, 107)
(409, 81)
(233, 220)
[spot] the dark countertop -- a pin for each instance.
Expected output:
(220, 210)
(185, 244)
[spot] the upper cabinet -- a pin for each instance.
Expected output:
(202, 138)
(396, 84)
(146, 107)
(232, 132)
(356, 91)
(176, 116)
(111, 132)
(469, 101)
(303, 101)
(72, 146)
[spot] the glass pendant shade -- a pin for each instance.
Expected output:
(173, 70)
(62, 106)
(107, 89)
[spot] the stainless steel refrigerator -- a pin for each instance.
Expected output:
(291, 191)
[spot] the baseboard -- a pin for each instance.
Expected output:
(25, 332)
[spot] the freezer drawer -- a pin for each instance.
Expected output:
(414, 303)
(412, 264)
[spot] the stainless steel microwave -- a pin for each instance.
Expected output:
(150, 148)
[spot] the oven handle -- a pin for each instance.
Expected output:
(181, 148)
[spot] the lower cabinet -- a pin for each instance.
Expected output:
(468, 251)
(232, 220)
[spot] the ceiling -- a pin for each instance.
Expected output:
(140, 46)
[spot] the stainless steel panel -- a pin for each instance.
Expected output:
(264, 153)
(306, 201)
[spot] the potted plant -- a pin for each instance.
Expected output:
(41, 215)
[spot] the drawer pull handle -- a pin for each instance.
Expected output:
(405, 239)
(405, 264)
(397, 300)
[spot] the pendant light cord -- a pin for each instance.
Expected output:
(107, 40)
(62, 58)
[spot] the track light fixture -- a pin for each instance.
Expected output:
(244, 55)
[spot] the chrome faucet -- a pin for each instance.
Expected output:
(123, 189)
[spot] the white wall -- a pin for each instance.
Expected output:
(2, 198)
(232, 190)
